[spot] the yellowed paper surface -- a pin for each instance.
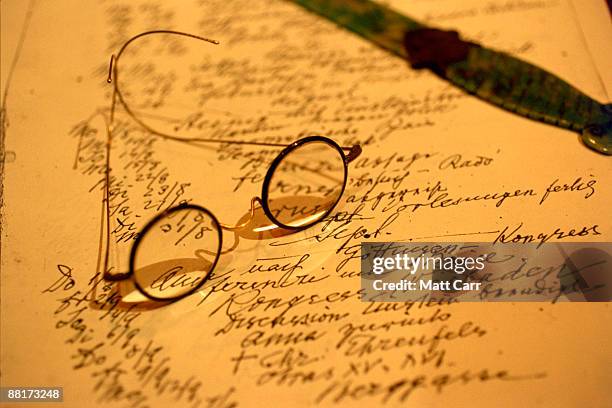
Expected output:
(280, 323)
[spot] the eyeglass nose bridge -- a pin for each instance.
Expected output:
(254, 200)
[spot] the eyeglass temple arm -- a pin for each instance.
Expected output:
(109, 79)
(354, 151)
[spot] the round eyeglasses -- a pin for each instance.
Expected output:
(176, 251)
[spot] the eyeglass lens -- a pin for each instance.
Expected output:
(306, 184)
(175, 252)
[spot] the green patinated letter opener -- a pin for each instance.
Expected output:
(494, 76)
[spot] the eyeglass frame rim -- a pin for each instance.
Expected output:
(276, 162)
(142, 233)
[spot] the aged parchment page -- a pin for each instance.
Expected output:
(280, 323)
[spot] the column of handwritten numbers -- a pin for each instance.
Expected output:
(160, 193)
(184, 224)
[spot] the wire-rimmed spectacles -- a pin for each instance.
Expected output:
(176, 251)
